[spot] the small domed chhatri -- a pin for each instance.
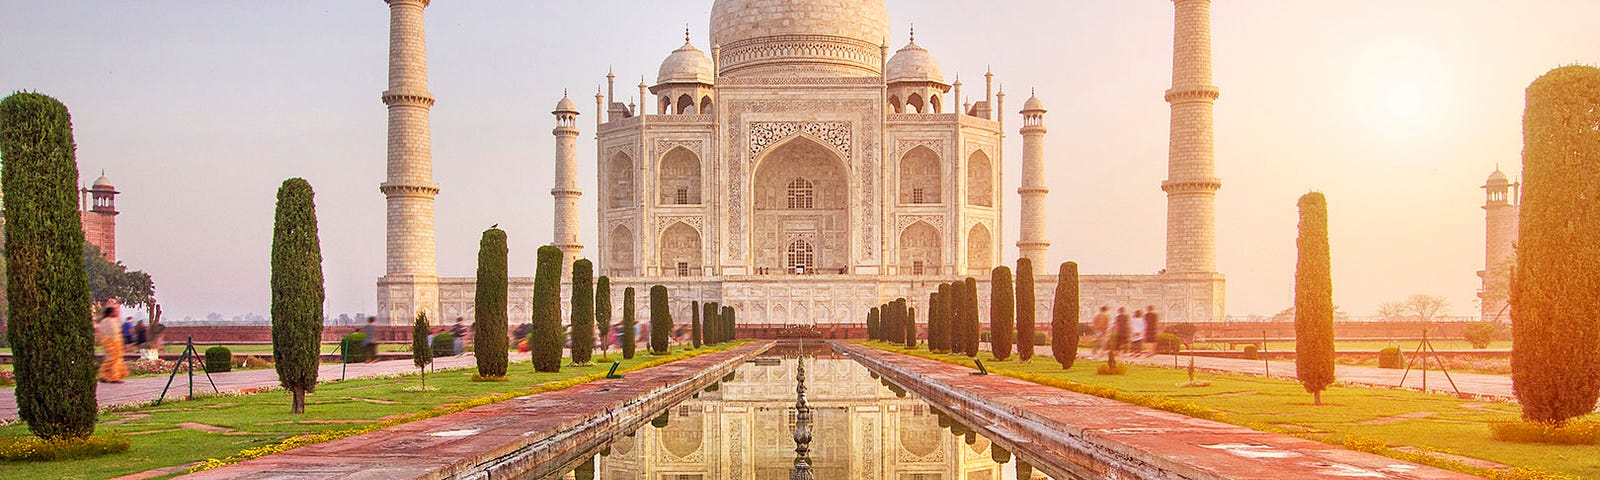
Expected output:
(914, 64)
(687, 64)
(1498, 177)
(1033, 104)
(103, 183)
(566, 105)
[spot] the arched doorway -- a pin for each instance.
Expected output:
(919, 250)
(801, 190)
(980, 250)
(680, 251)
(679, 182)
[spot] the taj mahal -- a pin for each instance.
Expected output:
(801, 170)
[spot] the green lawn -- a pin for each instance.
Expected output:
(1365, 345)
(1396, 417)
(261, 419)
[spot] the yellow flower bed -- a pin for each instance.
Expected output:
(305, 440)
(35, 449)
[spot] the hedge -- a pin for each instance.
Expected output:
(660, 320)
(219, 359)
(582, 312)
(1026, 314)
(1002, 312)
(630, 326)
(297, 292)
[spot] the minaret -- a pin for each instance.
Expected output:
(1191, 184)
(1033, 243)
(410, 283)
(566, 190)
(1501, 209)
(99, 216)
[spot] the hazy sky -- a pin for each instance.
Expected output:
(1397, 110)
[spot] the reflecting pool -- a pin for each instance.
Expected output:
(861, 427)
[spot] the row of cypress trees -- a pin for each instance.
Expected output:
(953, 324)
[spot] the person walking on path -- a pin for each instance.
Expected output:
(459, 333)
(111, 368)
(1152, 328)
(369, 342)
(1137, 336)
(1120, 331)
(140, 336)
(1101, 326)
(127, 331)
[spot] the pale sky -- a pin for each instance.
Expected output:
(1396, 109)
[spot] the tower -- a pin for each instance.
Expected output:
(99, 216)
(410, 283)
(1500, 208)
(1191, 183)
(1033, 243)
(566, 190)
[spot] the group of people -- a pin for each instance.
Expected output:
(1135, 335)
(369, 342)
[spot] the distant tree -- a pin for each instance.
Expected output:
(911, 326)
(730, 317)
(1427, 308)
(50, 334)
(1002, 311)
(108, 279)
(933, 320)
(1555, 365)
(892, 313)
(421, 352)
(544, 341)
(974, 324)
(630, 326)
(942, 336)
(1313, 299)
(297, 292)
(875, 324)
(602, 314)
(694, 324)
(660, 320)
(1026, 316)
(710, 325)
(1390, 311)
(489, 342)
(582, 312)
(1064, 323)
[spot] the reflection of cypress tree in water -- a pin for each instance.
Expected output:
(661, 420)
(999, 454)
(585, 470)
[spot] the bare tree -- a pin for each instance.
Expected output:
(1392, 311)
(1426, 308)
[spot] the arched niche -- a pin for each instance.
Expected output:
(801, 191)
(920, 180)
(679, 179)
(920, 249)
(980, 180)
(619, 252)
(680, 251)
(619, 179)
(980, 250)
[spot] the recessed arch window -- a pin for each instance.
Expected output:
(801, 195)
(800, 257)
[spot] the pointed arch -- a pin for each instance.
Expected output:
(619, 181)
(685, 104)
(914, 103)
(680, 251)
(920, 180)
(705, 104)
(980, 180)
(934, 104)
(800, 189)
(894, 103)
(920, 250)
(679, 178)
(619, 252)
(980, 250)
(664, 105)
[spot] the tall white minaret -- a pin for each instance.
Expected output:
(566, 190)
(1033, 243)
(1191, 183)
(1501, 209)
(411, 282)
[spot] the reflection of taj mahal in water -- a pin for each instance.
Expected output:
(802, 173)
(744, 430)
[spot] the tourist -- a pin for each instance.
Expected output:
(140, 336)
(1119, 331)
(111, 368)
(127, 332)
(1101, 324)
(459, 332)
(369, 344)
(1152, 328)
(1136, 337)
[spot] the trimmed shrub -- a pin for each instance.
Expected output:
(873, 325)
(490, 344)
(350, 348)
(444, 345)
(630, 326)
(582, 312)
(1553, 326)
(933, 320)
(942, 335)
(911, 327)
(660, 320)
(1064, 322)
(970, 311)
(47, 287)
(1111, 369)
(1313, 299)
(1002, 312)
(694, 324)
(421, 353)
(730, 318)
(1026, 314)
(1480, 334)
(297, 292)
(544, 339)
(219, 359)
(1252, 352)
(1039, 338)
(1168, 344)
(602, 313)
(1390, 357)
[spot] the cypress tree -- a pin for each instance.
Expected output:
(694, 324)
(602, 313)
(933, 320)
(974, 324)
(956, 330)
(1313, 299)
(421, 352)
(874, 324)
(946, 317)
(1002, 308)
(911, 327)
(1026, 315)
(730, 317)
(660, 320)
(47, 287)
(710, 328)
(892, 330)
(545, 339)
(297, 291)
(1555, 364)
(630, 326)
(489, 342)
(582, 312)
(1064, 323)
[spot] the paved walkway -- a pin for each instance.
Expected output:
(147, 389)
(1496, 387)
(1101, 438)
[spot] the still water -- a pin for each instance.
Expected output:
(743, 428)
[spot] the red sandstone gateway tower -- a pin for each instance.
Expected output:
(98, 212)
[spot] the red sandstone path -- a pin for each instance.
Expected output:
(1497, 387)
(148, 389)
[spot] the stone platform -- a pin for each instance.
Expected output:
(1066, 433)
(524, 436)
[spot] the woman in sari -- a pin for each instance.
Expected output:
(108, 333)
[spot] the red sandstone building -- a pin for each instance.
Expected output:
(97, 208)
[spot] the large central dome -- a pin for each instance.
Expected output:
(800, 37)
